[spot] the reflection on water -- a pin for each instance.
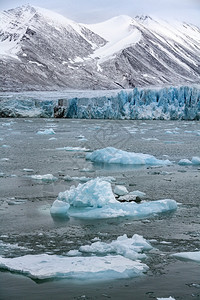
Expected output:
(117, 167)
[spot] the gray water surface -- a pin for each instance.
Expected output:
(25, 203)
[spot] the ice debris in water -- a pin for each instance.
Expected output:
(44, 266)
(131, 248)
(195, 256)
(115, 156)
(95, 200)
(46, 131)
(46, 177)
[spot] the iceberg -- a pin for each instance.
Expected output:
(196, 160)
(195, 256)
(185, 162)
(169, 103)
(112, 155)
(44, 266)
(94, 193)
(95, 200)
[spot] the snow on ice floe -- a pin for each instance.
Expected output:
(46, 177)
(95, 200)
(195, 256)
(112, 155)
(74, 149)
(46, 131)
(44, 266)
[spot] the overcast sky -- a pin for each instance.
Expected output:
(93, 11)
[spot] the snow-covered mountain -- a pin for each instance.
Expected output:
(41, 50)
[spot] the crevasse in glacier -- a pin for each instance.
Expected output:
(156, 103)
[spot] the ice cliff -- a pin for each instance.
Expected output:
(156, 103)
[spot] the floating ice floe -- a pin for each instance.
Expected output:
(115, 156)
(46, 177)
(186, 162)
(195, 256)
(46, 131)
(5, 159)
(44, 266)
(52, 139)
(131, 248)
(121, 258)
(170, 298)
(95, 200)
(73, 149)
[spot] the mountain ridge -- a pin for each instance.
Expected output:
(40, 49)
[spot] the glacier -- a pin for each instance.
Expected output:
(169, 103)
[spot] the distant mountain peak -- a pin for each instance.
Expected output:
(41, 49)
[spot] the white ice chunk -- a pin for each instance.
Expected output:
(46, 131)
(196, 160)
(131, 248)
(59, 208)
(95, 193)
(46, 177)
(44, 266)
(185, 162)
(120, 190)
(188, 255)
(115, 156)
